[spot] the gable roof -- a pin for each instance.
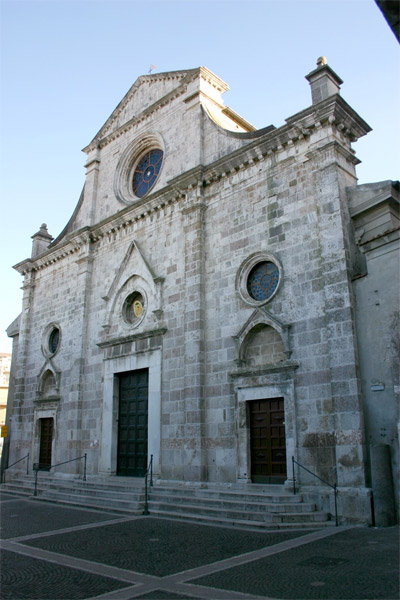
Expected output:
(177, 78)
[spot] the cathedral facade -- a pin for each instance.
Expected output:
(209, 302)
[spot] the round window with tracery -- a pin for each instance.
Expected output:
(263, 280)
(146, 172)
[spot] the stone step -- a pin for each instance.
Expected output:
(83, 490)
(239, 514)
(76, 491)
(270, 506)
(240, 523)
(178, 492)
(89, 501)
(247, 504)
(18, 490)
(126, 483)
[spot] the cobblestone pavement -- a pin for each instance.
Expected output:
(53, 552)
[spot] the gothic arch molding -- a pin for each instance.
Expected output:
(48, 382)
(260, 317)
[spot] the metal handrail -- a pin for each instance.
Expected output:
(146, 493)
(334, 486)
(37, 468)
(16, 462)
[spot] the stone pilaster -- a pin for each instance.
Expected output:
(91, 184)
(193, 392)
(19, 385)
(78, 373)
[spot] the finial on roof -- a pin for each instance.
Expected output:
(323, 81)
(41, 241)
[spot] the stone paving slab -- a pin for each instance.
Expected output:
(6, 497)
(26, 517)
(360, 563)
(23, 577)
(158, 546)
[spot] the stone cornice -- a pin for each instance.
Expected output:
(387, 237)
(70, 246)
(133, 337)
(287, 366)
(106, 135)
(213, 80)
(333, 112)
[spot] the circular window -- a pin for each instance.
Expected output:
(133, 308)
(139, 168)
(258, 278)
(263, 280)
(51, 340)
(146, 172)
(54, 340)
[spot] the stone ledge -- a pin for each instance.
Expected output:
(288, 365)
(132, 338)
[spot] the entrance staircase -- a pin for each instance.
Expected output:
(255, 506)
(117, 494)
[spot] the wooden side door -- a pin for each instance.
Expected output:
(46, 439)
(132, 423)
(267, 440)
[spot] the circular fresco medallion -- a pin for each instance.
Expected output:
(133, 308)
(137, 308)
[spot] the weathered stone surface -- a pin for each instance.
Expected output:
(225, 193)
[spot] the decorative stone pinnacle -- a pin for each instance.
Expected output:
(323, 81)
(41, 241)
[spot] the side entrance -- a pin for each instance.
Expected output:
(267, 441)
(132, 423)
(46, 439)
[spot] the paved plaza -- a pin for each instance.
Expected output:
(52, 552)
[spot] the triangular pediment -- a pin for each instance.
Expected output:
(144, 93)
(142, 267)
(134, 273)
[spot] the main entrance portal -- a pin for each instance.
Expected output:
(132, 423)
(267, 441)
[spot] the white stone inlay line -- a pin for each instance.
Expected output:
(176, 583)
(33, 536)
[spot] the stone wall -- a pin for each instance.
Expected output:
(223, 201)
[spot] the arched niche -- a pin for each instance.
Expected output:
(48, 387)
(263, 340)
(263, 345)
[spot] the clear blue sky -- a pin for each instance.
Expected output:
(65, 65)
